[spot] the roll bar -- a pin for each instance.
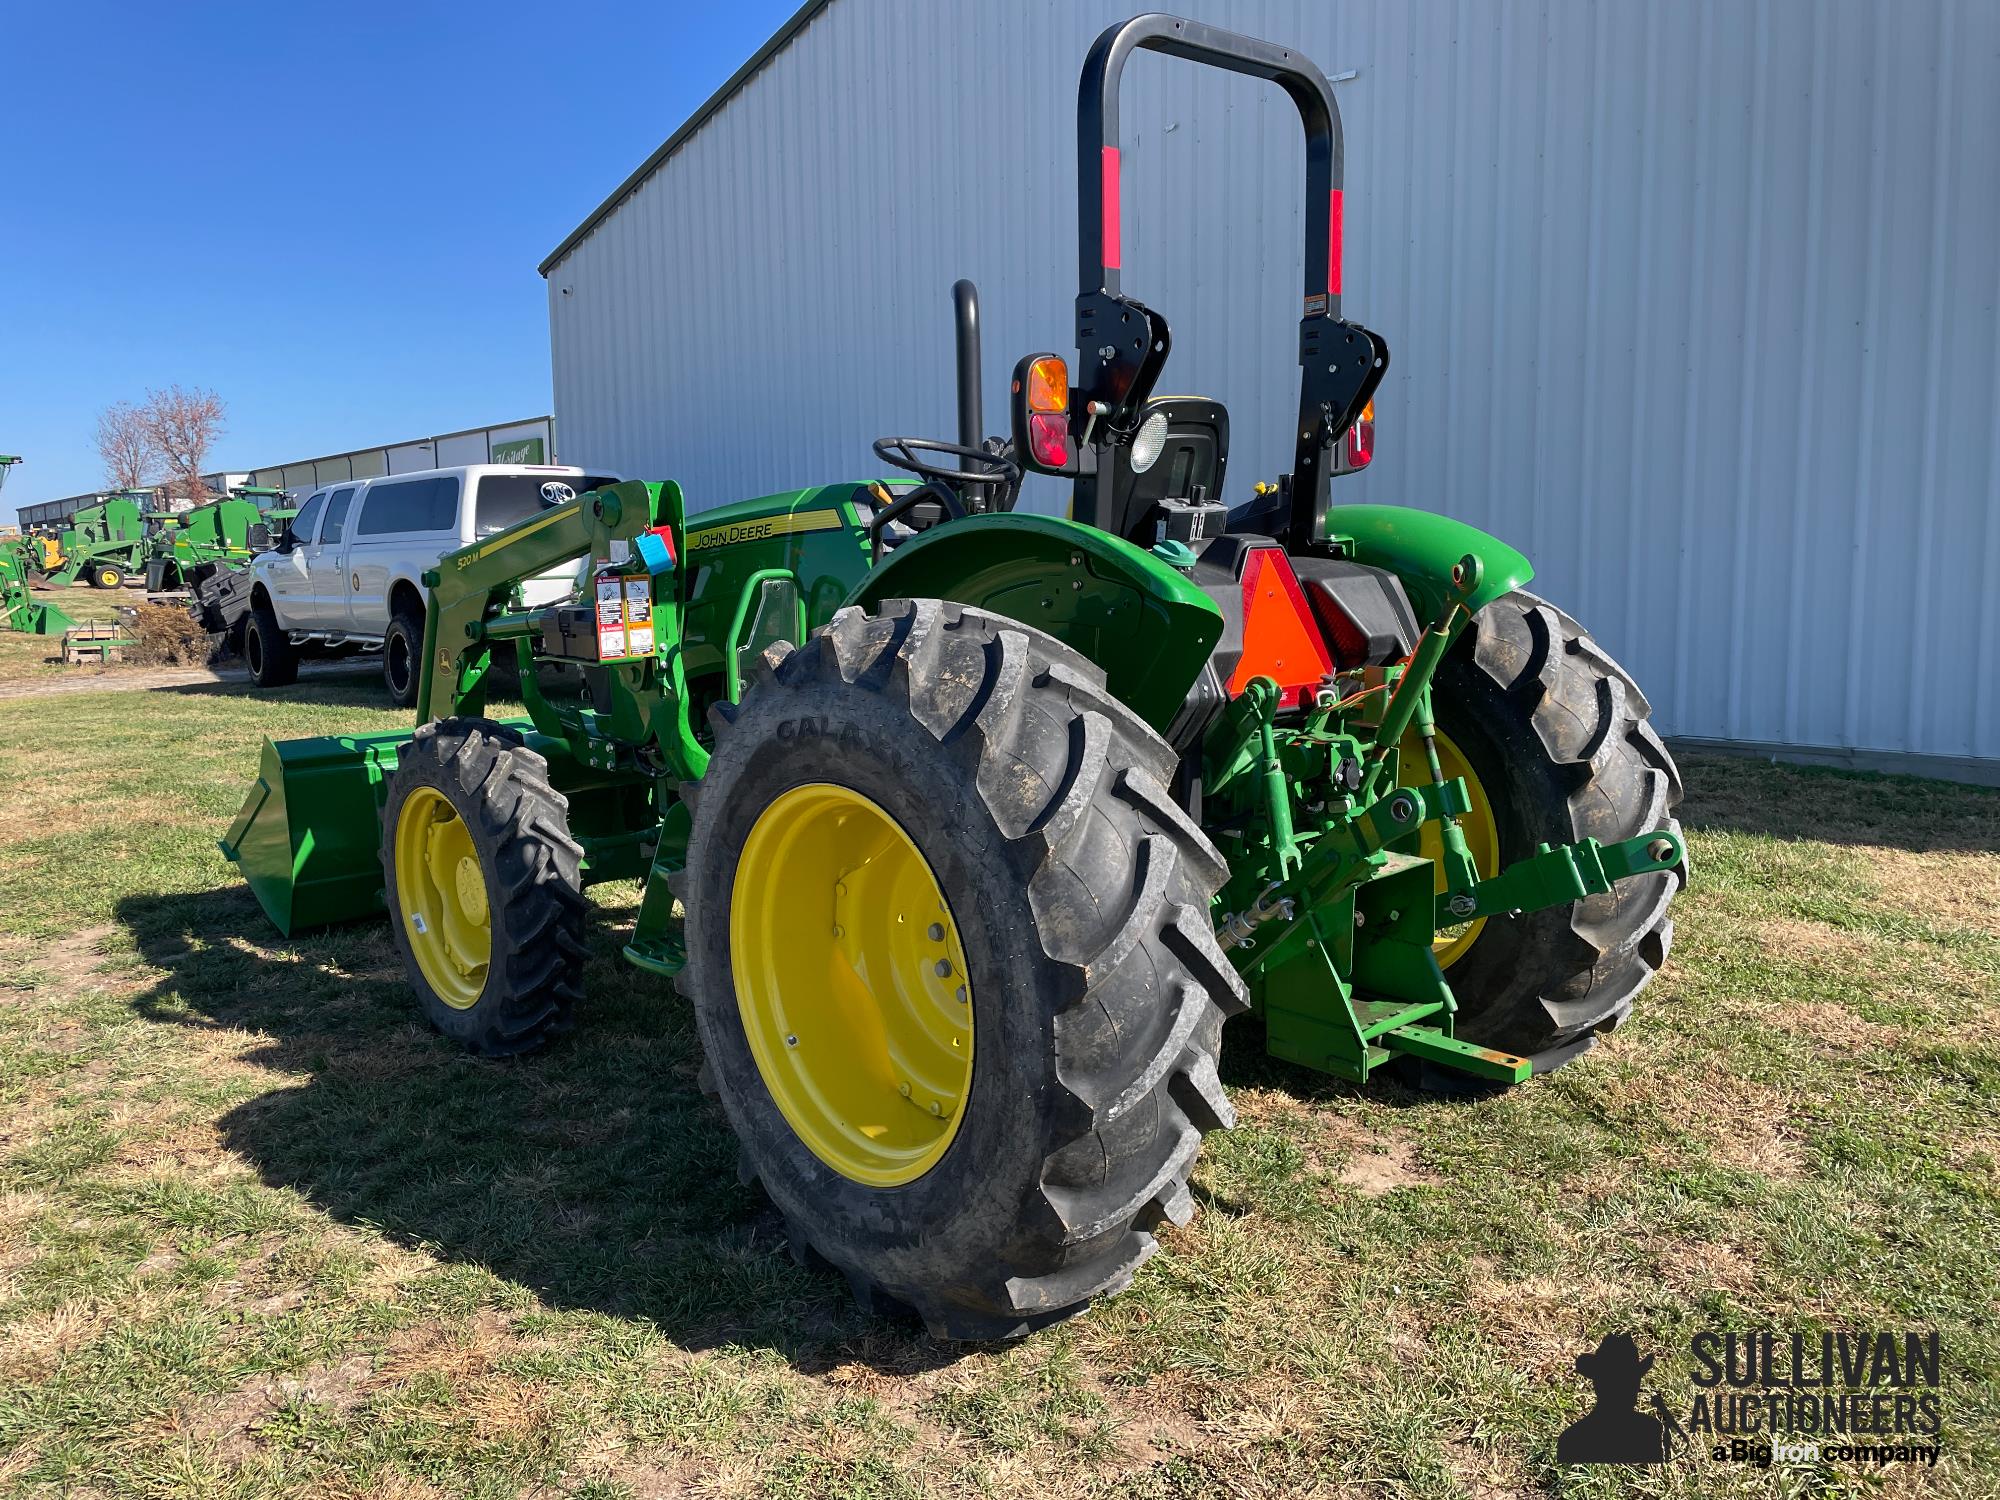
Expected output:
(1097, 210)
(1122, 345)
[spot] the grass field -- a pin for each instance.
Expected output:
(262, 1233)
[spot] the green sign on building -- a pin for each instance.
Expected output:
(526, 450)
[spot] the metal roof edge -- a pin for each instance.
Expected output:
(780, 39)
(429, 439)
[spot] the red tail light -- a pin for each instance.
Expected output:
(1279, 641)
(1361, 439)
(1048, 435)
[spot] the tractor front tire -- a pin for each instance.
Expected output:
(1062, 876)
(267, 651)
(1556, 733)
(482, 881)
(105, 576)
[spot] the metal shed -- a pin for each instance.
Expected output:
(1694, 300)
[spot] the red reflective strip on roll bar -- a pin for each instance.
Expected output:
(1111, 246)
(1333, 242)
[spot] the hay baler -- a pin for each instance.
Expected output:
(103, 544)
(191, 545)
(964, 829)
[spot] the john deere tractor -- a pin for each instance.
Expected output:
(964, 829)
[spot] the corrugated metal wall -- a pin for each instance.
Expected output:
(1695, 302)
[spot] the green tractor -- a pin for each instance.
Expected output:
(964, 829)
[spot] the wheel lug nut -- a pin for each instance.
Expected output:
(937, 929)
(937, 1109)
(791, 1039)
(943, 969)
(904, 1090)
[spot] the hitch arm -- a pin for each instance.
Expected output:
(1561, 873)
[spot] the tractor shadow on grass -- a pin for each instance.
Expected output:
(593, 1173)
(333, 684)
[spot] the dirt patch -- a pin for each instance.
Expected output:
(230, 1422)
(1371, 1162)
(79, 954)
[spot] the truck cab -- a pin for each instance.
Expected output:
(347, 572)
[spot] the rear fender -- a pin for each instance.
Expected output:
(1143, 622)
(1421, 549)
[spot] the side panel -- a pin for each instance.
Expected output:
(814, 534)
(1143, 622)
(1422, 549)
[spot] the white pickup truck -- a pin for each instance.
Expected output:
(348, 572)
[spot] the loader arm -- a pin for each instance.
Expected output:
(479, 581)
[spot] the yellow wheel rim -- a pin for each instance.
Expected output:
(1482, 834)
(852, 984)
(441, 890)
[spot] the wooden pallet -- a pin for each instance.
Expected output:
(94, 641)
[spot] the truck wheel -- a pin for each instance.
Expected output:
(950, 956)
(104, 576)
(267, 651)
(1553, 739)
(483, 887)
(402, 654)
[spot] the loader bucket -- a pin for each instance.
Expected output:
(37, 618)
(309, 837)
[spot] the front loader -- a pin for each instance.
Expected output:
(18, 606)
(964, 829)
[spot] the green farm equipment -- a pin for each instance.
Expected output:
(103, 544)
(21, 609)
(964, 829)
(20, 559)
(190, 545)
(207, 551)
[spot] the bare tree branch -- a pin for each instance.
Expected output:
(125, 443)
(183, 425)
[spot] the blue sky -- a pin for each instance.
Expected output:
(330, 214)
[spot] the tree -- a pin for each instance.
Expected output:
(183, 425)
(125, 443)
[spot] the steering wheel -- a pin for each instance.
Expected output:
(995, 469)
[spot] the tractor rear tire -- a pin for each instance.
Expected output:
(523, 880)
(1557, 734)
(267, 651)
(1080, 893)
